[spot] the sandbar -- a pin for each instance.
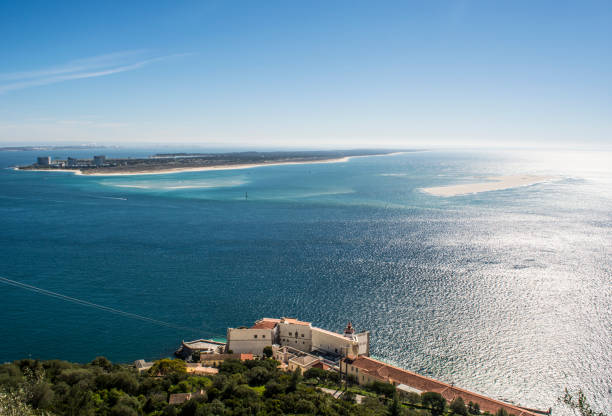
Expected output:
(496, 184)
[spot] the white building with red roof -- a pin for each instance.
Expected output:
(297, 334)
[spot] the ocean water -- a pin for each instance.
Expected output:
(507, 293)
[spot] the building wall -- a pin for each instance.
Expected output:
(248, 340)
(296, 363)
(362, 377)
(334, 343)
(296, 336)
(363, 339)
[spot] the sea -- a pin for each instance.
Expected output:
(507, 293)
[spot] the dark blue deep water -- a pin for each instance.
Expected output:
(507, 292)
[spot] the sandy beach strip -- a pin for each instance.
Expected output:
(497, 184)
(208, 168)
(219, 167)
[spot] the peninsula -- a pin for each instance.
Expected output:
(46, 147)
(186, 162)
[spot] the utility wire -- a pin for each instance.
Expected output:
(81, 302)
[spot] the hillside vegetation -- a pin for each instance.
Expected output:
(256, 387)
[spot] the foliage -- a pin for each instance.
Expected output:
(21, 398)
(385, 389)
(579, 404)
(473, 408)
(168, 367)
(267, 351)
(413, 398)
(252, 387)
(434, 401)
(101, 388)
(501, 412)
(458, 407)
(395, 408)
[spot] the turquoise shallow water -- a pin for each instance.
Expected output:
(507, 293)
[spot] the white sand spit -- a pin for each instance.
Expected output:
(496, 184)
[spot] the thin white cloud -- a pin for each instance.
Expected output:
(92, 67)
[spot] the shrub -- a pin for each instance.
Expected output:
(103, 363)
(258, 376)
(381, 388)
(273, 388)
(413, 398)
(434, 401)
(502, 412)
(457, 406)
(316, 373)
(267, 351)
(232, 367)
(123, 410)
(167, 367)
(473, 408)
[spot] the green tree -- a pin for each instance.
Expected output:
(232, 367)
(434, 401)
(457, 406)
(317, 373)
(382, 388)
(273, 388)
(395, 407)
(267, 351)
(501, 412)
(413, 398)
(258, 376)
(473, 408)
(348, 396)
(296, 377)
(103, 363)
(167, 367)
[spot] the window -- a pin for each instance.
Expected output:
(254, 336)
(263, 336)
(302, 335)
(289, 333)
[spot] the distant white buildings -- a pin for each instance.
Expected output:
(43, 160)
(298, 335)
(99, 160)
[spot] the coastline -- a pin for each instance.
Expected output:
(497, 183)
(207, 168)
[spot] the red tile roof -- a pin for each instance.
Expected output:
(321, 365)
(264, 324)
(294, 321)
(244, 357)
(389, 373)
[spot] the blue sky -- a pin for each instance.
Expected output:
(317, 74)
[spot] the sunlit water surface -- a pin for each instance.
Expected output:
(507, 293)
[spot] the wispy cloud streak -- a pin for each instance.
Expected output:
(97, 66)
